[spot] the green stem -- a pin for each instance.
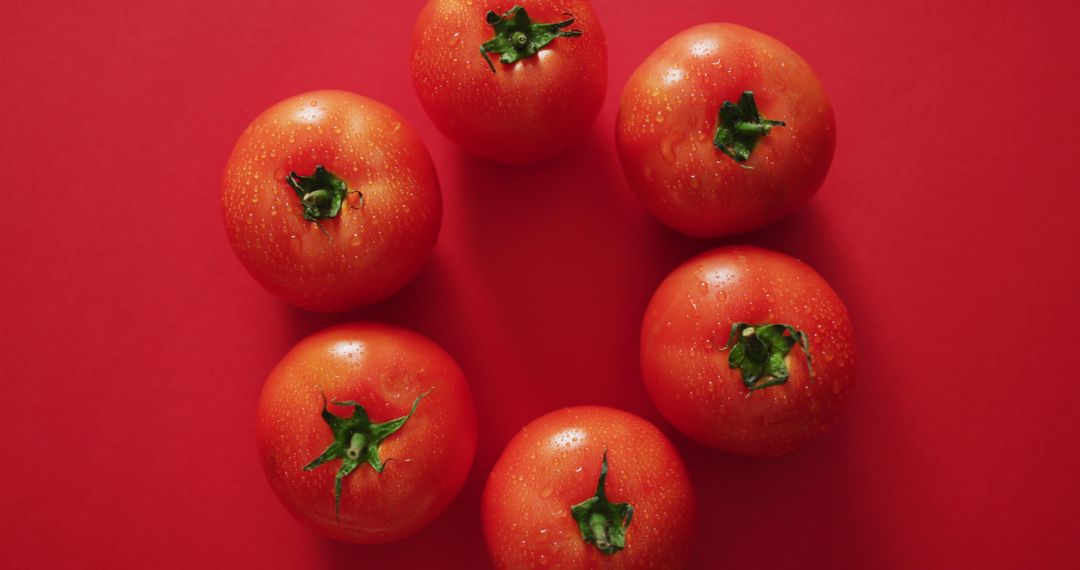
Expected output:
(598, 523)
(740, 126)
(516, 36)
(753, 128)
(356, 446)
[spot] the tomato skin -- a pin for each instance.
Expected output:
(384, 369)
(668, 116)
(544, 470)
(374, 246)
(524, 112)
(687, 376)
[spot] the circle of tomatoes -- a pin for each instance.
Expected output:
(589, 487)
(510, 82)
(382, 411)
(747, 350)
(722, 130)
(331, 201)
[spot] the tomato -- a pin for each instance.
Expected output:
(381, 411)
(512, 82)
(747, 350)
(589, 487)
(331, 201)
(722, 130)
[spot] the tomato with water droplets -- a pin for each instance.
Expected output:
(331, 201)
(747, 350)
(512, 82)
(722, 130)
(366, 432)
(589, 487)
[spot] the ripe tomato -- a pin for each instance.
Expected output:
(512, 82)
(331, 201)
(723, 130)
(589, 487)
(747, 350)
(366, 432)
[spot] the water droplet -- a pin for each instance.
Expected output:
(703, 287)
(694, 182)
(454, 39)
(355, 240)
(666, 150)
(721, 296)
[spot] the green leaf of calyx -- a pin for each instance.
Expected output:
(740, 127)
(356, 441)
(603, 523)
(759, 352)
(321, 194)
(518, 37)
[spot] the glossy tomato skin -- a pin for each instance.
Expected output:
(384, 369)
(524, 112)
(554, 463)
(668, 116)
(686, 373)
(375, 245)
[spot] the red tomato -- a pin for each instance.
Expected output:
(543, 86)
(331, 201)
(728, 344)
(589, 487)
(723, 130)
(397, 430)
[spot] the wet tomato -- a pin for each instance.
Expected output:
(747, 350)
(589, 487)
(331, 201)
(512, 82)
(366, 432)
(723, 130)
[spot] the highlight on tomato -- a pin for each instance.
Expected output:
(589, 487)
(748, 350)
(331, 201)
(513, 82)
(723, 130)
(366, 432)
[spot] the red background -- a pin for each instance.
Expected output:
(134, 345)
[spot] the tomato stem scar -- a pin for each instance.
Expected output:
(356, 441)
(740, 126)
(518, 37)
(760, 353)
(601, 522)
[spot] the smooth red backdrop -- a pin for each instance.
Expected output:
(133, 345)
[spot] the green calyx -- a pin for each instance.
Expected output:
(603, 523)
(518, 37)
(758, 351)
(356, 441)
(740, 126)
(321, 194)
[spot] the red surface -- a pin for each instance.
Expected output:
(134, 345)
